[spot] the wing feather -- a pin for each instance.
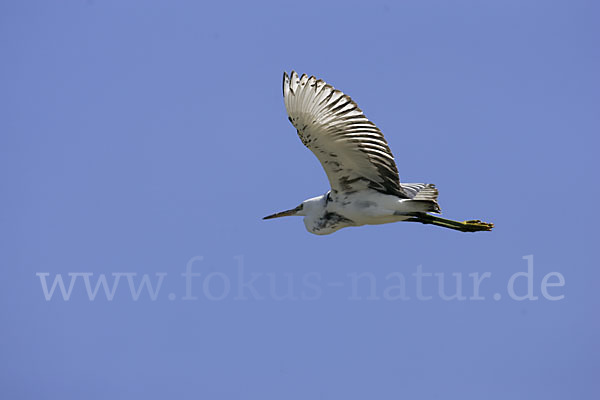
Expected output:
(351, 149)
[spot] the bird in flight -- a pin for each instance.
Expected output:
(365, 185)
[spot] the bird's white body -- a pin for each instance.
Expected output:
(328, 213)
(365, 185)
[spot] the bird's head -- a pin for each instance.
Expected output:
(314, 206)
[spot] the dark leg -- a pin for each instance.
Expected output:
(466, 226)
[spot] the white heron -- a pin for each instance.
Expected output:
(365, 186)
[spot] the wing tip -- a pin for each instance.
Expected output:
(286, 82)
(291, 82)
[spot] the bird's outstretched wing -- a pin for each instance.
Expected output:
(351, 149)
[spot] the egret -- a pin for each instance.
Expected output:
(365, 185)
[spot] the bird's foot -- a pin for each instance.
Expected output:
(475, 225)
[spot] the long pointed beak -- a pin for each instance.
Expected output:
(286, 213)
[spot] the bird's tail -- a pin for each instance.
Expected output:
(423, 196)
(466, 226)
(423, 206)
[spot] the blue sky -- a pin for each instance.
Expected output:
(143, 137)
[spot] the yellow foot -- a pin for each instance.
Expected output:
(475, 225)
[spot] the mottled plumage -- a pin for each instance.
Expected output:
(365, 185)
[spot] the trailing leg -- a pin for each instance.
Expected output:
(466, 226)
